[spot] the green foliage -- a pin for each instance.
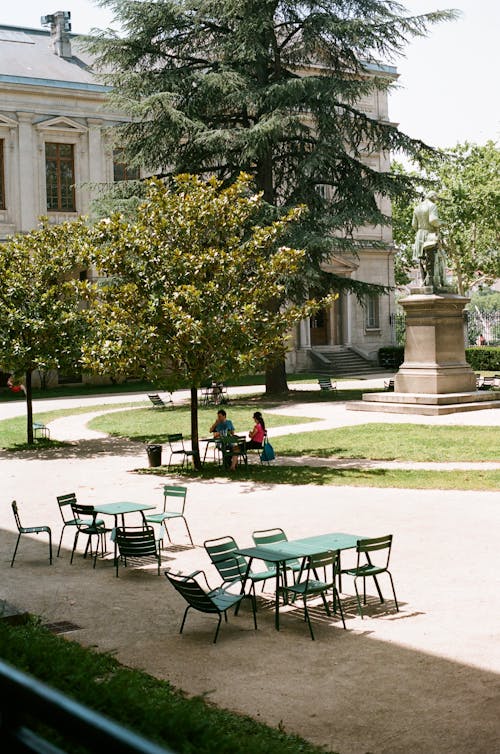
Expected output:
(483, 358)
(485, 300)
(190, 285)
(467, 179)
(138, 701)
(272, 89)
(41, 323)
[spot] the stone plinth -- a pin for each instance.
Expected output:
(434, 378)
(434, 351)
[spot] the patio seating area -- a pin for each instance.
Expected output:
(445, 658)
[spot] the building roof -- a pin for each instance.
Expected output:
(27, 57)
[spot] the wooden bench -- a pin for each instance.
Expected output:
(159, 402)
(40, 431)
(325, 383)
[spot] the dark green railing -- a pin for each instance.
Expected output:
(28, 706)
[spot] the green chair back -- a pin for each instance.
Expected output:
(137, 542)
(216, 601)
(222, 552)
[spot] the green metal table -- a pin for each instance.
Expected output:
(120, 509)
(280, 552)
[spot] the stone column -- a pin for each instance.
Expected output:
(28, 181)
(305, 333)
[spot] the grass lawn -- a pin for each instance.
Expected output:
(138, 701)
(13, 431)
(403, 442)
(151, 425)
(396, 442)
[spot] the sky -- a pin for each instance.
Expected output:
(447, 90)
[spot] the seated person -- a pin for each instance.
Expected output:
(258, 432)
(223, 427)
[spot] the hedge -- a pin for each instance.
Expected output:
(480, 358)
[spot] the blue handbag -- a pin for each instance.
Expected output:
(267, 451)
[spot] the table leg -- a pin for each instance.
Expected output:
(277, 599)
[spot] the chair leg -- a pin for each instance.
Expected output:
(394, 592)
(360, 611)
(254, 612)
(217, 629)
(15, 551)
(308, 619)
(50, 547)
(60, 540)
(336, 597)
(184, 618)
(74, 546)
(189, 533)
(378, 589)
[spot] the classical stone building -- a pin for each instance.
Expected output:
(54, 147)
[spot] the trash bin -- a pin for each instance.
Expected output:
(154, 455)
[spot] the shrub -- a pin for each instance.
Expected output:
(483, 358)
(391, 357)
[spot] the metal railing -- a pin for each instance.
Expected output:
(27, 705)
(476, 323)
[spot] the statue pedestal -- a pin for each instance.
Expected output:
(434, 377)
(434, 351)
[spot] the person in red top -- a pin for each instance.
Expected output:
(258, 432)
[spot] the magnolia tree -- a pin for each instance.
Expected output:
(194, 288)
(41, 322)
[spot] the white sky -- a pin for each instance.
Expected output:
(448, 88)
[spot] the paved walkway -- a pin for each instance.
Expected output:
(427, 677)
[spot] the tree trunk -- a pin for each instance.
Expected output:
(195, 442)
(276, 378)
(29, 407)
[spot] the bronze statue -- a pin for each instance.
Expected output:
(427, 251)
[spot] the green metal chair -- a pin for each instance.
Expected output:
(366, 549)
(271, 537)
(64, 502)
(29, 530)
(232, 566)
(176, 447)
(311, 585)
(136, 543)
(87, 523)
(216, 601)
(175, 497)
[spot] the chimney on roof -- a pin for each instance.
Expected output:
(60, 26)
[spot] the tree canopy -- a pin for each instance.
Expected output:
(189, 285)
(41, 324)
(273, 88)
(468, 184)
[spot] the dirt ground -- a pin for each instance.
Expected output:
(424, 680)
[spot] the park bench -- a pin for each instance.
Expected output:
(325, 383)
(159, 402)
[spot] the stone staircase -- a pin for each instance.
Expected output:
(342, 362)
